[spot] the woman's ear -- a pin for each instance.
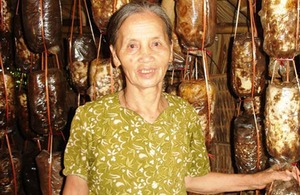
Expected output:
(115, 58)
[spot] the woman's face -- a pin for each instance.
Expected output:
(143, 50)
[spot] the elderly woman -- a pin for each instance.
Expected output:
(140, 140)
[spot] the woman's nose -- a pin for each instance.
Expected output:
(146, 54)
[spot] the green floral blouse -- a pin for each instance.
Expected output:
(117, 152)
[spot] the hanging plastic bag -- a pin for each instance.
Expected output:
(83, 52)
(103, 9)
(50, 22)
(194, 91)
(279, 21)
(7, 185)
(24, 58)
(100, 78)
(246, 146)
(10, 90)
(42, 161)
(190, 22)
(38, 102)
(282, 113)
(242, 67)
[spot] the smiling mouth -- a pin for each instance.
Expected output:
(147, 71)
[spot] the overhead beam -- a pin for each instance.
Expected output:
(229, 29)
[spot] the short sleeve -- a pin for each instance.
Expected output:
(75, 156)
(199, 156)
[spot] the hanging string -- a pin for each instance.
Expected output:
(205, 66)
(42, 61)
(254, 34)
(181, 74)
(204, 24)
(47, 95)
(191, 68)
(254, 5)
(37, 140)
(71, 36)
(38, 144)
(49, 141)
(287, 66)
(89, 19)
(186, 65)
(80, 19)
(252, 19)
(97, 60)
(237, 18)
(273, 72)
(42, 27)
(50, 136)
(17, 8)
(206, 76)
(63, 136)
(99, 47)
(57, 61)
(206, 73)
(50, 144)
(47, 98)
(253, 68)
(258, 136)
(253, 51)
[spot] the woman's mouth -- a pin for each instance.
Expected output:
(147, 71)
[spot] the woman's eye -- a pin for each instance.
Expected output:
(156, 44)
(132, 46)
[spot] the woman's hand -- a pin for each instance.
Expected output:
(263, 178)
(296, 174)
(221, 182)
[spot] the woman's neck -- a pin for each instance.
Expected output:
(147, 103)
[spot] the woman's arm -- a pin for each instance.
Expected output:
(221, 182)
(75, 185)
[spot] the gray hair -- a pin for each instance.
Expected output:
(129, 9)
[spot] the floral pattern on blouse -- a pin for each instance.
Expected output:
(117, 152)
